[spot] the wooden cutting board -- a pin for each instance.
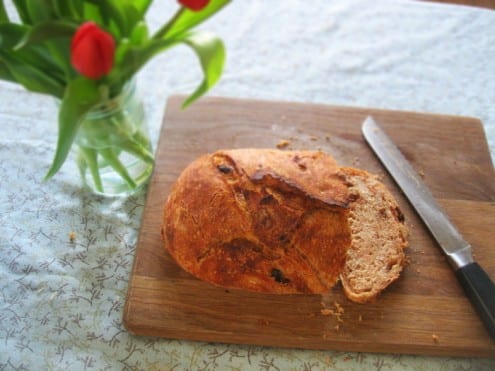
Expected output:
(424, 312)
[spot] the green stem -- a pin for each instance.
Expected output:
(138, 150)
(142, 139)
(163, 31)
(91, 157)
(115, 163)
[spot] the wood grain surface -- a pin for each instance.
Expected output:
(489, 4)
(424, 312)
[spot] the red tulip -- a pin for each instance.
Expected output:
(195, 5)
(92, 51)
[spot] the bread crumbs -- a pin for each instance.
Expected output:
(337, 312)
(327, 312)
(283, 144)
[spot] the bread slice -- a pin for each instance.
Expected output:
(376, 256)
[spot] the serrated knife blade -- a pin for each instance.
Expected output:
(477, 284)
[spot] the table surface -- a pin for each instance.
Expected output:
(489, 4)
(61, 302)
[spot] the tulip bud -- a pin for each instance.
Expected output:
(195, 5)
(92, 51)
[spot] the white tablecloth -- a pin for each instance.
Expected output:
(61, 303)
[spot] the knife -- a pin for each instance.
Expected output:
(478, 286)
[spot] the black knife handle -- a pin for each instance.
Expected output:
(480, 289)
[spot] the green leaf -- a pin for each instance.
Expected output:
(133, 58)
(68, 9)
(31, 77)
(142, 6)
(186, 19)
(47, 31)
(22, 10)
(211, 53)
(119, 16)
(60, 54)
(121, 51)
(140, 34)
(11, 34)
(4, 17)
(209, 49)
(35, 61)
(113, 13)
(92, 11)
(5, 73)
(34, 11)
(80, 96)
(132, 16)
(39, 10)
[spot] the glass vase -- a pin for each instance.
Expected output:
(113, 147)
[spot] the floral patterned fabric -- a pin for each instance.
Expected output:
(66, 255)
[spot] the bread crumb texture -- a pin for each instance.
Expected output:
(376, 256)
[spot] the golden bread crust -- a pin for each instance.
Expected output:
(261, 220)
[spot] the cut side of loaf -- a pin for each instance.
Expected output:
(376, 256)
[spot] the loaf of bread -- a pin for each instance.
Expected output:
(284, 222)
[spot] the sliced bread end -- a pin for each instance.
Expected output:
(376, 256)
